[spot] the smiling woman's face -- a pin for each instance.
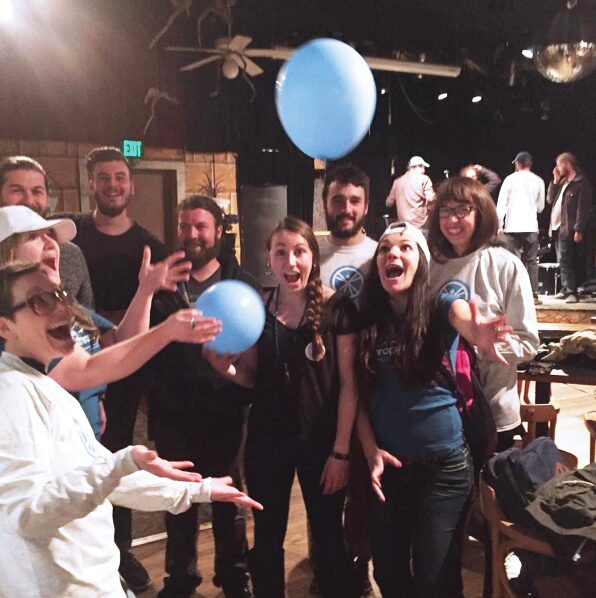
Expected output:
(397, 262)
(40, 247)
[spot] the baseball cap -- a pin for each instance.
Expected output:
(417, 161)
(523, 158)
(405, 228)
(20, 219)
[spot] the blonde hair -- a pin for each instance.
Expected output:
(7, 257)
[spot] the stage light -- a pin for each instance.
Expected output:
(477, 98)
(383, 91)
(7, 14)
(442, 96)
(528, 53)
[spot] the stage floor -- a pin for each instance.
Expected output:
(571, 436)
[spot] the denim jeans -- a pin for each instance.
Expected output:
(417, 534)
(572, 260)
(525, 247)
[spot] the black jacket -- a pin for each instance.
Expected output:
(184, 384)
(576, 210)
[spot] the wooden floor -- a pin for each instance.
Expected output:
(571, 436)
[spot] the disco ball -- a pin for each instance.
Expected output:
(563, 63)
(565, 51)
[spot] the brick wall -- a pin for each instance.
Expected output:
(61, 161)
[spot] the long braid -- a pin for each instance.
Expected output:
(314, 310)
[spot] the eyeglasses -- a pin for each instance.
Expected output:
(460, 211)
(44, 304)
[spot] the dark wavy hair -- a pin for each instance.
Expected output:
(314, 288)
(418, 350)
(106, 153)
(465, 191)
(346, 174)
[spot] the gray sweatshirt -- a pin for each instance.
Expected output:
(499, 283)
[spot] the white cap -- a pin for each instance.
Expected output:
(405, 228)
(20, 219)
(417, 161)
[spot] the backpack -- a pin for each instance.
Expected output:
(478, 423)
(516, 475)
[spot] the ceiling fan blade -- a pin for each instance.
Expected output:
(415, 68)
(239, 43)
(199, 63)
(188, 49)
(252, 68)
(274, 53)
(379, 64)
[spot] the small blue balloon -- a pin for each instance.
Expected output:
(326, 97)
(241, 312)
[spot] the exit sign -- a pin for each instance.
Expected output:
(132, 148)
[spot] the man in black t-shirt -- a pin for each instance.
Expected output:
(198, 413)
(113, 245)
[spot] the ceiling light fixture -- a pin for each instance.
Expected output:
(442, 96)
(476, 98)
(528, 53)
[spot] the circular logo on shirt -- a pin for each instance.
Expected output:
(457, 288)
(348, 280)
(87, 441)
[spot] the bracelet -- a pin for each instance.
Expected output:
(340, 456)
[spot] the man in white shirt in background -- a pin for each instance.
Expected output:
(412, 194)
(521, 199)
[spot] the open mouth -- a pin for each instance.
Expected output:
(60, 332)
(292, 278)
(50, 262)
(394, 271)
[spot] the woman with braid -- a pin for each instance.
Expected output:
(302, 416)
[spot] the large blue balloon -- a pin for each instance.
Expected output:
(326, 98)
(241, 312)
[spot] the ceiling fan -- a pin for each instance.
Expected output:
(236, 57)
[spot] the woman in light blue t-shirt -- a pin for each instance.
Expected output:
(412, 424)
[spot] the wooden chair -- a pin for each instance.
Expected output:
(590, 421)
(506, 536)
(533, 414)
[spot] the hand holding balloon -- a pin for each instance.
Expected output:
(239, 309)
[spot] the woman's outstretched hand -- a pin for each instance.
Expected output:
(376, 464)
(150, 461)
(489, 333)
(189, 326)
(223, 491)
(164, 275)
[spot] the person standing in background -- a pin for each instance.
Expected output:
(412, 194)
(521, 199)
(24, 182)
(571, 222)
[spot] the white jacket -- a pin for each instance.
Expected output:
(521, 198)
(56, 485)
(501, 286)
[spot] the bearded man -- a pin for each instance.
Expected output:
(346, 253)
(197, 412)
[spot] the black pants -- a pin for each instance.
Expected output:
(121, 404)
(214, 444)
(270, 467)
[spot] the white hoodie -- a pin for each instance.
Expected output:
(499, 283)
(56, 485)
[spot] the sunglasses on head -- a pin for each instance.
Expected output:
(43, 304)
